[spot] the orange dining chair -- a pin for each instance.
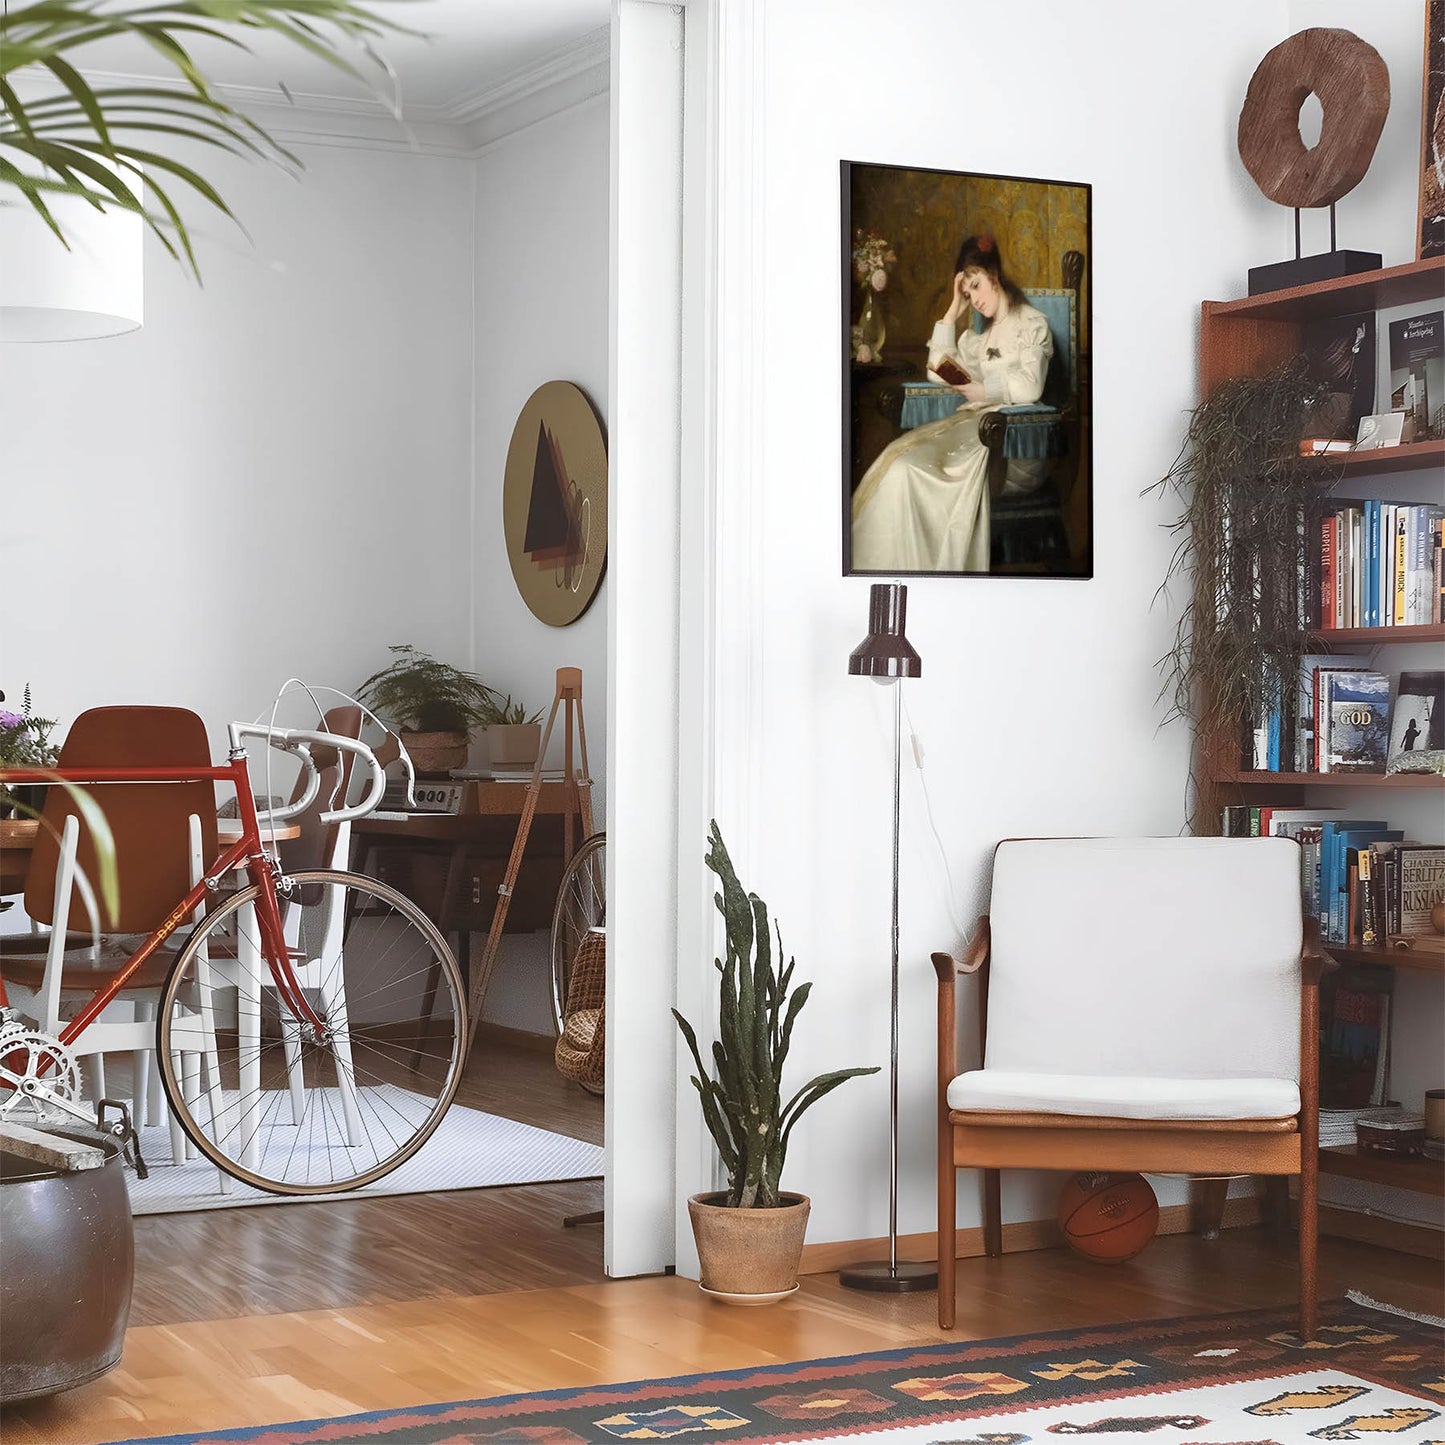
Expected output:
(164, 833)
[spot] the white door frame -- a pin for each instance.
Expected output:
(685, 593)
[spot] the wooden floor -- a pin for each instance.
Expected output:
(249, 1317)
(224, 1263)
(265, 1369)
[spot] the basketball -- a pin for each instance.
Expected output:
(1108, 1217)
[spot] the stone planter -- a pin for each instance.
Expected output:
(748, 1256)
(69, 1263)
(434, 755)
(513, 745)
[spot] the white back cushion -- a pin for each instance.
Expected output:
(1152, 957)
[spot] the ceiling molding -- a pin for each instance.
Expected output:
(578, 60)
(567, 77)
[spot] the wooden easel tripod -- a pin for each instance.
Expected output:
(578, 784)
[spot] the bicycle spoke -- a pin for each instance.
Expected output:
(298, 1110)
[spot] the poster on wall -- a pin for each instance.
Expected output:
(1432, 138)
(965, 338)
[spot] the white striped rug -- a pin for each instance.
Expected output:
(470, 1150)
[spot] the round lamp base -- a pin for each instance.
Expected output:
(882, 1278)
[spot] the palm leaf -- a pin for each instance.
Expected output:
(65, 134)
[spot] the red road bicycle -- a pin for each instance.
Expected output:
(311, 1030)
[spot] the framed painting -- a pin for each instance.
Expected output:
(1432, 134)
(966, 400)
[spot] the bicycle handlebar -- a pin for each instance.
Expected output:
(299, 742)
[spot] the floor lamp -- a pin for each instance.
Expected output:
(886, 656)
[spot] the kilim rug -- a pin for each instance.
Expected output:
(1236, 1379)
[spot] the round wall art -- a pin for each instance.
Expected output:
(554, 503)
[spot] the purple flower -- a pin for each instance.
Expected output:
(11, 719)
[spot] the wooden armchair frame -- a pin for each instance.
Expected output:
(994, 1140)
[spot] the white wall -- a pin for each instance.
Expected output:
(302, 420)
(1037, 708)
(541, 272)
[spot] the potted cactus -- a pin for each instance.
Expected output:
(750, 1236)
(513, 737)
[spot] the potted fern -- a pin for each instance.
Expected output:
(750, 1236)
(434, 704)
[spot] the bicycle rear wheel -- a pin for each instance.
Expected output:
(276, 1103)
(581, 905)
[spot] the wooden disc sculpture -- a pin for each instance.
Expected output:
(1353, 86)
(554, 503)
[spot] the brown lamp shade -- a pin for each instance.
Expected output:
(886, 652)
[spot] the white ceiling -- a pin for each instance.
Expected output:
(470, 48)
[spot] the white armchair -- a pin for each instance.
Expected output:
(1145, 1004)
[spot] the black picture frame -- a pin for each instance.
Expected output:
(907, 222)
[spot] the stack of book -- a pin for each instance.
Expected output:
(1348, 718)
(1362, 879)
(1337, 1126)
(1378, 564)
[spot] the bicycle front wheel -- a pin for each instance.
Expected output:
(273, 1100)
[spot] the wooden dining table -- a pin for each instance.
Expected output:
(18, 835)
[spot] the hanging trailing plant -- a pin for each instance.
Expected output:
(1242, 544)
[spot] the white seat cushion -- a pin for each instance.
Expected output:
(1119, 1097)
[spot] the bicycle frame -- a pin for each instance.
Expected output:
(260, 867)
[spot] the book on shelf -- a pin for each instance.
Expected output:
(1305, 757)
(1417, 720)
(1417, 369)
(1422, 595)
(1337, 837)
(1323, 446)
(1419, 884)
(1372, 563)
(1355, 1007)
(1354, 722)
(1340, 354)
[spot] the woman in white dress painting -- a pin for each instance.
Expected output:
(923, 504)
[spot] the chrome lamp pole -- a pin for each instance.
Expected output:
(887, 657)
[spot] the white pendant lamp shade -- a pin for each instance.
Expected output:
(48, 293)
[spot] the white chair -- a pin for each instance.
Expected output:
(1144, 1004)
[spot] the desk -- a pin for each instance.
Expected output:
(450, 864)
(17, 838)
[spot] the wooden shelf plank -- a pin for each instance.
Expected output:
(1403, 1171)
(1421, 962)
(1408, 457)
(1365, 291)
(1330, 780)
(1378, 636)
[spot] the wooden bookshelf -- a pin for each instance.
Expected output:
(1379, 636)
(1421, 962)
(1364, 291)
(1401, 1171)
(1245, 778)
(1408, 457)
(1251, 337)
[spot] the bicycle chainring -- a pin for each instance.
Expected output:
(28, 1054)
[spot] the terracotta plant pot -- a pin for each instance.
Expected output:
(434, 755)
(513, 745)
(748, 1256)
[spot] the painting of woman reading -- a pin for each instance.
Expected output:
(967, 445)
